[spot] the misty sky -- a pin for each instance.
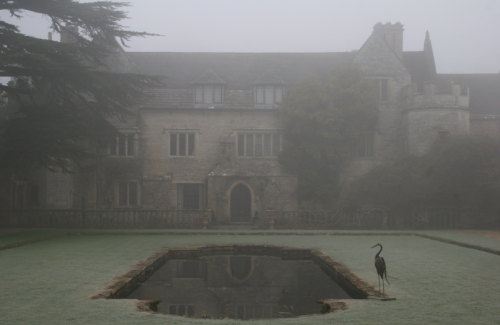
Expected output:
(465, 34)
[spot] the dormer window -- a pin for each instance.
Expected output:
(208, 94)
(268, 95)
(208, 89)
(268, 89)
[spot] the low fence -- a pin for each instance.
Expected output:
(437, 218)
(131, 219)
(430, 218)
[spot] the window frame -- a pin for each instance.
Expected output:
(263, 144)
(368, 150)
(266, 91)
(118, 191)
(383, 89)
(181, 187)
(187, 142)
(204, 92)
(115, 148)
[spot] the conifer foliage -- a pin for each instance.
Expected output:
(61, 97)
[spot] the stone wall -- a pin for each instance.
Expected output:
(378, 61)
(425, 126)
(215, 162)
(157, 192)
(430, 116)
(267, 193)
(430, 99)
(211, 126)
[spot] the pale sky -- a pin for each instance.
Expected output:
(465, 34)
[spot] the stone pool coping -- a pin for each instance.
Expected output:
(122, 285)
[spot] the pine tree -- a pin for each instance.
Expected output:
(62, 98)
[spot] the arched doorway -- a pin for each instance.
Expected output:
(241, 268)
(241, 204)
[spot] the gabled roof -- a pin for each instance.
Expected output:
(269, 78)
(376, 57)
(208, 77)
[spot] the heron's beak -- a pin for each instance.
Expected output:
(374, 245)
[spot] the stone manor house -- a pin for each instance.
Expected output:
(209, 139)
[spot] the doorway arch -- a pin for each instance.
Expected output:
(240, 203)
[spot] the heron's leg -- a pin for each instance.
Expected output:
(383, 287)
(378, 284)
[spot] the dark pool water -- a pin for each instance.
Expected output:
(239, 287)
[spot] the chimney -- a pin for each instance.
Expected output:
(69, 33)
(393, 35)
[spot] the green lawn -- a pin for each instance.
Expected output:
(49, 282)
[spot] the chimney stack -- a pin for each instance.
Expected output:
(393, 35)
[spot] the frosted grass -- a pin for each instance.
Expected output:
(49, 282)
(22, 236)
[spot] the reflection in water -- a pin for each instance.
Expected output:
(241, 287)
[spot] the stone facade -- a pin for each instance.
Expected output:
(431, 116)
(209, 138)
(214, 164)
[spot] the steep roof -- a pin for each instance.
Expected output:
(417, 64)
(484, 90)
(238, 70)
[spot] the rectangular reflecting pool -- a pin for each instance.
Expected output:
(238, 287)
